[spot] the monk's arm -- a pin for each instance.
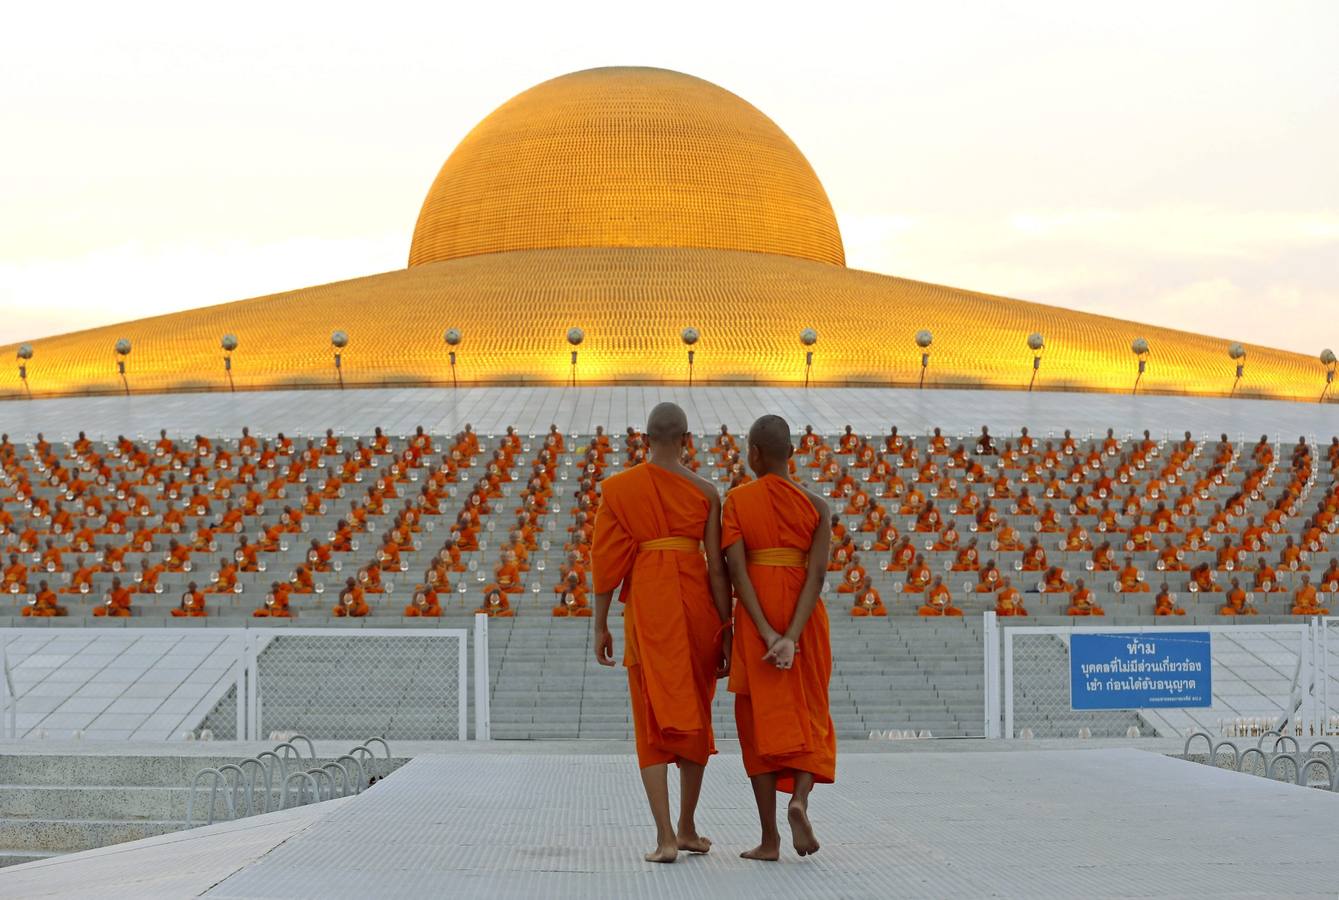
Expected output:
(816, 570)
(716, 571)
(737, 559)
(604, 641)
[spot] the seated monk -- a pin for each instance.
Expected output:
(15, 577)
(424, 604)
(44, 605)
(227, 578)
(508, 574)
(1306, 602)
(988, 578)
(1009, 602)
(495, 603)
(1007, 538)
(302, 580)
(1266, 579)
(1165, 603)
(968, 558)
(369, 579)
(867, 600)
(948, 539)
(352, 603)
(389, 555)
(918, 576)
(1201, 579)
(852, 577)
(192, 604)
(904, 554)
(1081, 602)
(81, 582)
(1054, 582)
(276, 602)
(1131, 580)
(938, 600)
(1034, 557)
(117, 602)
(1238, 602)
(572, 599)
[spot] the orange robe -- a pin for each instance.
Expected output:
(671, 626)
(781, 714)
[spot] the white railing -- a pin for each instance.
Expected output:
(328, 683)
(1274, 676)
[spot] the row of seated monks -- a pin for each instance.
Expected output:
(1094, 477)
(116, 489)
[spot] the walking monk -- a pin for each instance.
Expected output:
(776, 538)
(653, 520)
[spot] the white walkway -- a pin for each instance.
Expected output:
(496, 823)
(444, 411)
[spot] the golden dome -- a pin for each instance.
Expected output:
(626, 157)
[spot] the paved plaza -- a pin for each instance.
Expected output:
(545, 821)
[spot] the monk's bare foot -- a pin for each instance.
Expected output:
(768, 851)
(663, 854)
(801, 832)
(693, 842)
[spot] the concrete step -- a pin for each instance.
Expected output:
(69, 835)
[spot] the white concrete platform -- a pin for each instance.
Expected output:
(140, 684)
(494, 823)
(491, 409)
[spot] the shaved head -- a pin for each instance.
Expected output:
(667, 424)
(771, 436)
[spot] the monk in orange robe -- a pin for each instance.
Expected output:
(1305, 602)
(1237, 602)
(44, 604)
(1009, 602)
(276, 602)
(776, 541)
(352, 601)
(1081, 602)
(653, 519)
(192, 604)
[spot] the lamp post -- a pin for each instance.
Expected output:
(123, 350)
(690, 336)
(574, 337)
(1139, 347)
(808, 338)
(923, 340)
(452, 338)
(229, 344)
(24, 354)
(1327, 359)
(1238, 354)
(339, 340)
(1036, 344)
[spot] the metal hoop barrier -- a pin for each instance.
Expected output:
(302, 779)
(331, 768)
(311, 748)
(371, 770)
(1208, 740)
(1316, 761)
(1236, 754)
(1297, 748)
(1264, 760)
(361, 780)
(382, 741)
(234, 785)
(319, 774)
(1271, 733)
(1311, 751)
(260, 768)
(213, 794)
(1269, 772)
(279, 762)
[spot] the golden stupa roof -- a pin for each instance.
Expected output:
(633, 203)
(626, 157)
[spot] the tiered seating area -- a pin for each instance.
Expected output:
(432, 528)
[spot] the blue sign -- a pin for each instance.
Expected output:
(1144, 670)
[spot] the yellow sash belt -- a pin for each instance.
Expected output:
(785, 557)
(687, 545)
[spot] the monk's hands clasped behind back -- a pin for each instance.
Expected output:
(780, 651)
(604, 647)
(723, 664)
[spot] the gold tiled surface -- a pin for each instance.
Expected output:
(514, 310)
(626, 157)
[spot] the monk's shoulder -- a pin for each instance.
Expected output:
(820, 505)
(706, 487)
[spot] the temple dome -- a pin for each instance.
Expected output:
(626, 157)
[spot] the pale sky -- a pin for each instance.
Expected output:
(1170, 162)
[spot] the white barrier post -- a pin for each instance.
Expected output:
(992, 673)
(239, 669)
(482, 715)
